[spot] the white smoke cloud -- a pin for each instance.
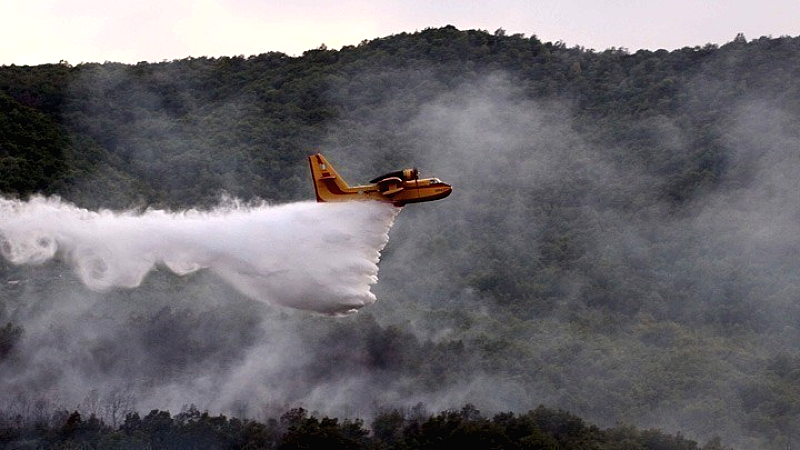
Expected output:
(313, 256)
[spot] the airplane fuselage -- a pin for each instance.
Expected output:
(398, 188)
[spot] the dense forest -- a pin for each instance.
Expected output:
(621, 242)
(296, 429)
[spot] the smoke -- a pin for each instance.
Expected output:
(562, 271)
(638, 271)
(310, 256)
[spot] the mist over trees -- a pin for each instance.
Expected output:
(296, 429)
(621, 242)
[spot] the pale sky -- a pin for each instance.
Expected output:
(48, 31)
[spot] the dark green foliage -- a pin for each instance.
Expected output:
(325, 433)
(539, 429)
(32, 148)
(160, 129)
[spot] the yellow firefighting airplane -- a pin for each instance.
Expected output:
(398, 188)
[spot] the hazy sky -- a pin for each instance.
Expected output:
(43, 31)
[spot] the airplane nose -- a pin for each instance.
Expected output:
(448, 191)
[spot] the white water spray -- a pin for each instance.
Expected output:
(315, 256)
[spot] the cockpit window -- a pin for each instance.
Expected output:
(435, 181)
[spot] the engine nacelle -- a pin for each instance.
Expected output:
(410, 174)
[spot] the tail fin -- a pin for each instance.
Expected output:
(328, 184)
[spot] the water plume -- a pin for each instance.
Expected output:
(314, 256)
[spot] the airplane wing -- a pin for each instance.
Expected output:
(405, 174)
(396, 174)
(390, 186)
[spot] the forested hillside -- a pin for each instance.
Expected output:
(621, 242)
(540, 428)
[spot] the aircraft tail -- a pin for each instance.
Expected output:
(328, 184)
